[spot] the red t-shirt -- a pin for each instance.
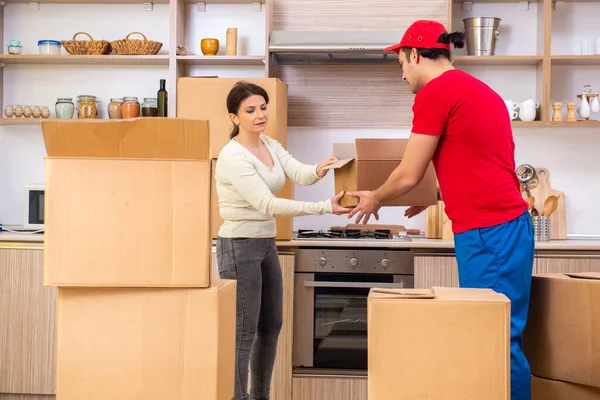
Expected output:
(474, 161)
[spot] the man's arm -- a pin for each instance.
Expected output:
(417, 156)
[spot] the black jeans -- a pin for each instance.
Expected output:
(254, 264)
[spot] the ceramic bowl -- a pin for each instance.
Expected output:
(209, 46)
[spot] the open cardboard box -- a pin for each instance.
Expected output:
(367, 164)
(561, 340)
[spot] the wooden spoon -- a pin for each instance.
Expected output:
(550, 205)
(531, 201)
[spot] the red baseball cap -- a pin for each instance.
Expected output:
(422, 34)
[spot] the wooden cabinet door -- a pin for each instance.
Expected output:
(28, 323)
(436, 270)
(563, 263)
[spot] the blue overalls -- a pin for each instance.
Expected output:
(501, 258)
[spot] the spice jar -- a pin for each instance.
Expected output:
(114, 108)
(87, 107)
(130, 108)
(64, 108)
(150, 107)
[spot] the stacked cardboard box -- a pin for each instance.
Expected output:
(206, 98)
(127, 242)
(440, 343)
(561, 340)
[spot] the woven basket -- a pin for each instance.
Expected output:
(86, 47)
(136, 46)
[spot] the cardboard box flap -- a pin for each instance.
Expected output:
(380, 149)
(447, 294)
(584, 275)
(139, 138)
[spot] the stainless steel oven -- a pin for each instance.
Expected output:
(330, 302)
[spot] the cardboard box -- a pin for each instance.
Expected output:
(206, 98)
(146, 343)
(367, 164)
(127, 203)
(440, 343)
(546, 389)
(562, 340)
(284, 225)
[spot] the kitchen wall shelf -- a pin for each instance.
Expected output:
(20, 121)
(221, 60)
(530, 124)
(576, 60)
(84, 60)
(497, 60)
(575, 124)
(140, 2)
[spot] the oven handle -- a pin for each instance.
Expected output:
(353, 285)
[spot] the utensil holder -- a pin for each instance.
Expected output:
(541, 228)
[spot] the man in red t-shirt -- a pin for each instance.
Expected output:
(463, 127)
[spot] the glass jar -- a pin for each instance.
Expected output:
(114, 108)
(150, 107)
(130, 108)
(64, 108)
(14, 47)
(87, 107)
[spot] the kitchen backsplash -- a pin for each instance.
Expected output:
(569, 154)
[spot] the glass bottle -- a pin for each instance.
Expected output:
(64, 108)
(87, 107)
(162, 99)
(149, 107)
(130, 108)
(114, 108)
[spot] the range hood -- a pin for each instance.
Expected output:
(327, 47)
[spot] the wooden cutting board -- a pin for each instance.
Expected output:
(540, 189)
(437, 224)
(394, 229)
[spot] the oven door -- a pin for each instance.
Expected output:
(330, 317)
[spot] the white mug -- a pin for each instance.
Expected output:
(527, 113)
(512, 106)
(529, 104)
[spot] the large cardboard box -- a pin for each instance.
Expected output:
(284, 226)
(127, 203)
(367, 164)
(440, 343)
(562, 337)
(146, 343)
(206, 98)
(547, 389)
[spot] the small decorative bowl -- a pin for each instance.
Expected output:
(209, 46)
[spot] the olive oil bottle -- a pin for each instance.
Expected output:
(162, 99)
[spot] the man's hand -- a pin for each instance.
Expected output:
(335, 203)
(322, 172)
(414, 210)
(368, 204)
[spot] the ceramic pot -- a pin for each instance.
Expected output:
(209, 46)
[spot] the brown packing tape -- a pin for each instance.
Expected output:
(584, 275)
(406, 293)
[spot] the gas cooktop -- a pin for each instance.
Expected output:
(350, 234)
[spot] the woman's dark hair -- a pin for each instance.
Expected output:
(456, 38)
(240, 92)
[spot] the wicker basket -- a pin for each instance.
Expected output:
(136, 46)
(86, 47)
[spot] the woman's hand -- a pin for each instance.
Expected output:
(322, 172)
(335, 202)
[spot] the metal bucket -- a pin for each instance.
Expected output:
(482, 34)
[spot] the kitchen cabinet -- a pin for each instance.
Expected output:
(565, 262)
(28, 316)
(329, 388)
(281, 382)
(436, 270)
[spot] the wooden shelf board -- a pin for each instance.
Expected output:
(497, 60)
(90, 1)
(225, 1)
(84, 60)
(20, 121)
(575, 124)
(491, 1)
(576, 59)
(527, 123)
(222, 60)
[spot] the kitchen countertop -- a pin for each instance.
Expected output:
(415, 243)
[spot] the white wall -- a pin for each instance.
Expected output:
(569, 154)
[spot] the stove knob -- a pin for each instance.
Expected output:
(353, 262)
(385, 262)
(322, 261)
